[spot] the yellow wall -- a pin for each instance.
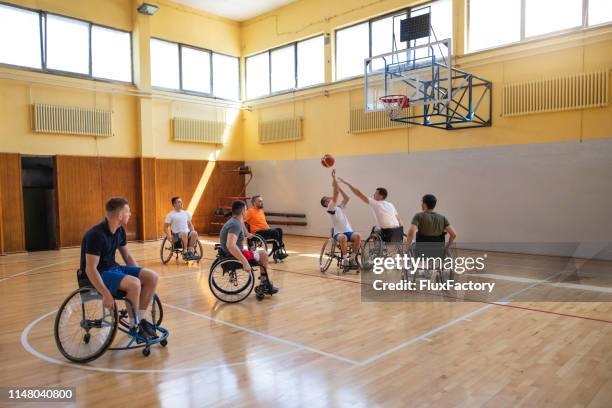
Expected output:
(141, 117)
(326, 118)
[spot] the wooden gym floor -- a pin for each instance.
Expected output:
(316, 344)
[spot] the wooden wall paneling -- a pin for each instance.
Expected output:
(79, 197)
(1, 232)
(149, 200)
(121, 177)
(13, 227)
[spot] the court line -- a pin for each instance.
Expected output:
(34, 269)
(28, 347)
(459, 319)
(499, 303)
(266, 336)
(425, 336)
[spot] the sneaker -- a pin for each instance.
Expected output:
(267, 286)
(270, 289)
(281, 255)
(147, 328)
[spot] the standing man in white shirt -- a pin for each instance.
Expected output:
(178, 226)
(342, 231)
(387, 218)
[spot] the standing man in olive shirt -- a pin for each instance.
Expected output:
(430, 226)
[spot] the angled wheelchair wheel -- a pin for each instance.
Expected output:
(371, 249)
(166, 251)
(447, 274)
(327, 254)
(199, 250)
(229, 282)
(155, 314)
(83, 328)
(256, 243)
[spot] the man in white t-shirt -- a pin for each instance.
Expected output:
(387, 218)
(342, 231)
(178, 226)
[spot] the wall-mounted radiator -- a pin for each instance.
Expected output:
(362, 121)
(200, 131)
(577, 91)
(283, 130)
(71, 120)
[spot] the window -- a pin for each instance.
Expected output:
(548, 16)
(600, 11)
(67, 45)
(382, 35)
(493, 22)
(20, 34)
(195, 65)
(201, 71)
(111, 52)
(311, 62)
(59, 44)
(498, 22)
(352, 48)
(164, 64)
(258, 75)
(441, 20)
(226, 74)
(282, 68)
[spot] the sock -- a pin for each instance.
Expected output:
(134, 321)
(141, 314)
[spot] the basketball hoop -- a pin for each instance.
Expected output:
(394, 104)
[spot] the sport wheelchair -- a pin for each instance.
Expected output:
(169, 249)
(377, 245)
(84, 329)
(230, 283)
(259, 242)
(434, 251)
(331, 252)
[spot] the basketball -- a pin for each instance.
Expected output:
(328, 160)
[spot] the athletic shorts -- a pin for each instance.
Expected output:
(112, 277)
(349, 235)
(250, 255)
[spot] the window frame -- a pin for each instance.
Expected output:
(42, 18)
(584, 26)
(295, 73)
(180, 60)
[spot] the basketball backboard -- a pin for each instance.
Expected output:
(422, 72)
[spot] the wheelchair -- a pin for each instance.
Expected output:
(229, 282)
(84, 329)
(330, 252)
(435, 249)
(259, 242)
(379, 246)
(169, 249)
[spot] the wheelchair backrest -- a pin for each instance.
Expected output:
(82, 279)
(431, 246)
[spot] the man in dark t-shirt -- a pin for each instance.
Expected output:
(99, 267)
(430, 226)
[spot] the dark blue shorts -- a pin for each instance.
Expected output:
(349, 235)
(112, 277)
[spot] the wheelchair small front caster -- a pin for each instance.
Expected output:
(86, 338)
(163, 343)
(146, 351)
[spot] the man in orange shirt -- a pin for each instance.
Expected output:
(256, 218)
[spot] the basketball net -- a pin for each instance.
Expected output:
(394, 105)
